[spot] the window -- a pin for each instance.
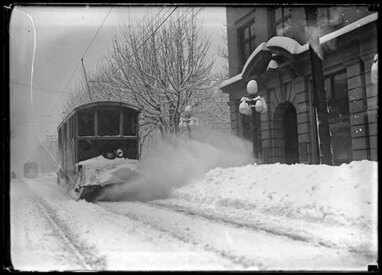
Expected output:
(246, 126)
(64, 134)
(108, 122)
(129, 124)
(86, 123)
(283, 20)
(339, 118)
(60, 137)
(70, 127)
(247, 39)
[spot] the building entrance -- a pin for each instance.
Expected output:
(285, 134)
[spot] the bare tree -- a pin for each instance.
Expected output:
(161, 72)
(161, 68)
(213, 106)
(78, 96)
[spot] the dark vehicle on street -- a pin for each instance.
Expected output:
(104, 128)
(30, 169)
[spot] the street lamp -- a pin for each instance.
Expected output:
(252, 87)
(188, 121)
(272, 65)
(253, 102)
(374, 70)
(247, 103)
(187, 116)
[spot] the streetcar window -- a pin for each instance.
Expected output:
(129, 124)
(64, 137)
(68, 129)
(71, 127)
(108, 122)
(60, 137)
(86, 123)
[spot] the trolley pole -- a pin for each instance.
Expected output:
(86, 78)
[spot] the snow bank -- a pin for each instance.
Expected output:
(332, 206)
(345, 194)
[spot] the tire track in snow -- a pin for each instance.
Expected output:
(260, 227)
(85, 255)
(241, 260)
(250, 247)
(220, 219)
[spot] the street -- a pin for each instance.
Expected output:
(175, 137)
(50, 231)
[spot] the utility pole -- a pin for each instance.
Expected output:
(86, 78)
(319, 94)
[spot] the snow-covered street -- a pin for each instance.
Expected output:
(191, 138)
(214, 223)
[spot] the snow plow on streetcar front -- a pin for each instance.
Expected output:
(98, 147)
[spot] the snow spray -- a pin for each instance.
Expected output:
(171, 165)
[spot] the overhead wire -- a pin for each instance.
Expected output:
(39, 88)
(91, 42)
(60, 98)
(152, 33)
(75, 69)
(147, 38)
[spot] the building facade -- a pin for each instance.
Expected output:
(270, 45)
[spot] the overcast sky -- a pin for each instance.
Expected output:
(62, 35)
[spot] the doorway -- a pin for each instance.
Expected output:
(286, 134)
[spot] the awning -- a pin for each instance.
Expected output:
(259, 60)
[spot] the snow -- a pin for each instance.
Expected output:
(244, 217)
(284, 42)
(102, 171)
(346, 29)
(100, 240)
(294, 47)
(261, 47)
(307, 200)
(231, 80)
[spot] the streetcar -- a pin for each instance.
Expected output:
(30, 169)
(106, 129)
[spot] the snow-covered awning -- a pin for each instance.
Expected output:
(289, 47)
(258, 60)
(344, 30)
(283, 45)
(230, 81)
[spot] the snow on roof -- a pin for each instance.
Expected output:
(261, 47)
(284, 42)
(295, 48)
(348, 28)
(231, 80)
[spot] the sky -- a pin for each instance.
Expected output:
(51, 65)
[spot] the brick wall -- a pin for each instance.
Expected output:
(358, 123)
(296, 93)
(372, 108)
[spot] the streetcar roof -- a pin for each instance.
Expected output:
(97, 104)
